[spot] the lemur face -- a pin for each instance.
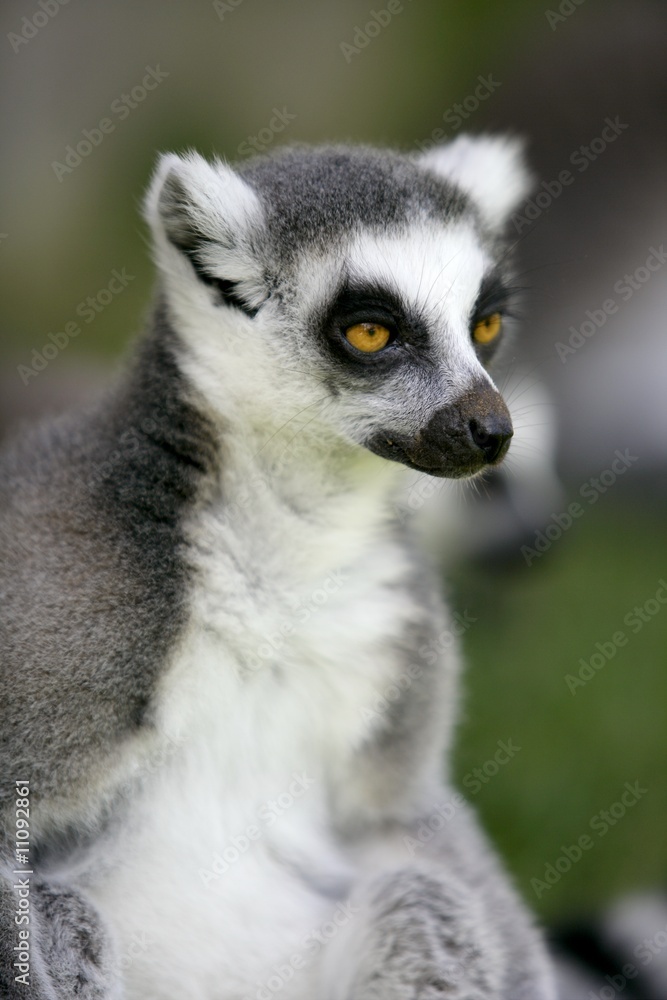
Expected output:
(366, 288)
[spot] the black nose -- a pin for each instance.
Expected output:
(458, 440)
(492, 436)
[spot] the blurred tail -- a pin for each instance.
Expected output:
(622, 955)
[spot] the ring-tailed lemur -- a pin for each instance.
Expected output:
(218, 684)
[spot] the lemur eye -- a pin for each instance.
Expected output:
(368, 337)
(487, 329)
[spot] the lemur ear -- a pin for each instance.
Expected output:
(489, 168)
(209, 214)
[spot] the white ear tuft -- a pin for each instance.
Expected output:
(194, 202)
(491, 169)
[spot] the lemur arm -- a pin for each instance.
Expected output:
(434, 915)
(67, 951)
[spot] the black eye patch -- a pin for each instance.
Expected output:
(496, 296)
(365, 303)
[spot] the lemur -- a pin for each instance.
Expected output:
(216, 707)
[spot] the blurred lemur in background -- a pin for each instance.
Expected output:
(221, 702)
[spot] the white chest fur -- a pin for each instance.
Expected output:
(228, 861)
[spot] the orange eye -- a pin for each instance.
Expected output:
(368, 337)
(487, 329)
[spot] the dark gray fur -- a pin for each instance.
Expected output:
(313, 196)
(92, 579)
(92, 589)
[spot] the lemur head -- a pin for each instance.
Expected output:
(364, 289)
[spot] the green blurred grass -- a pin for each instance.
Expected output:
(577, 750)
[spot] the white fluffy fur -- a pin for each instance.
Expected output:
(488, 168)
(222, 207)
(247, 735)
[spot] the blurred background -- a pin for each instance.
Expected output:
(89, 93)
